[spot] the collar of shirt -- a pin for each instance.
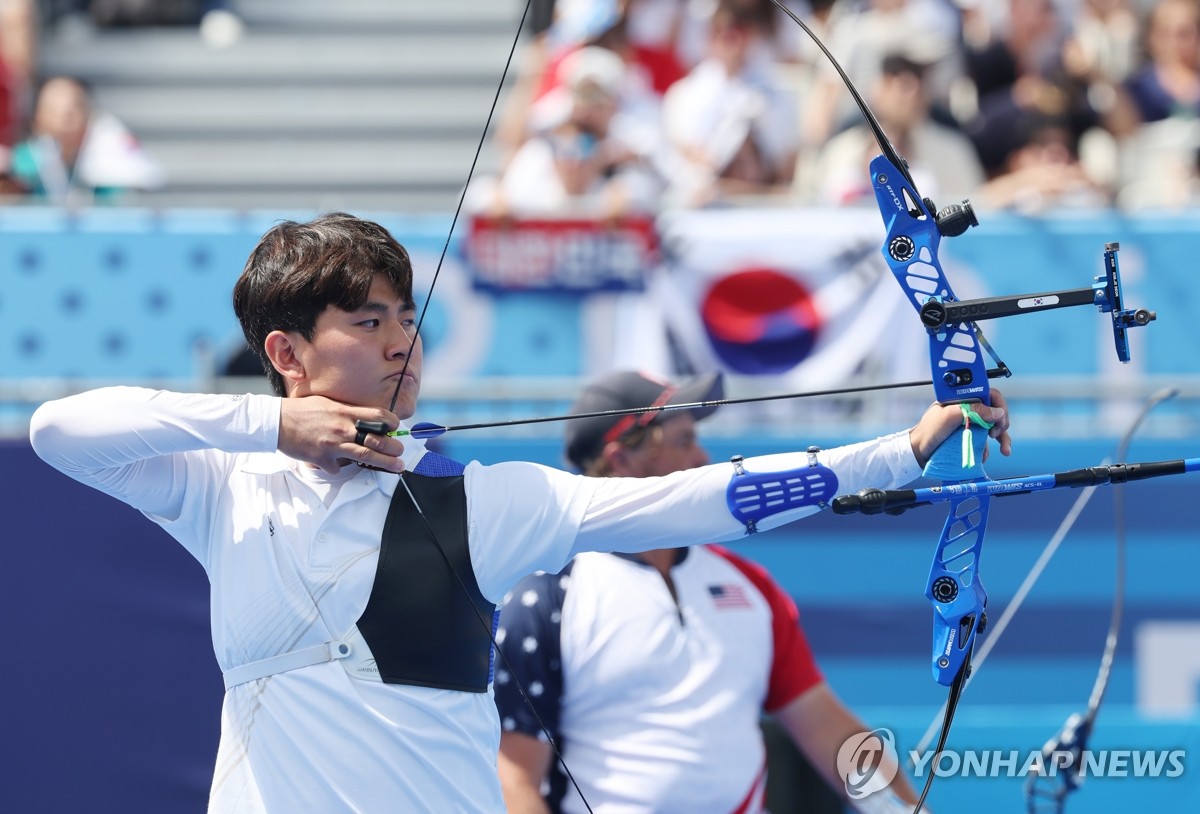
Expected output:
(270, 463)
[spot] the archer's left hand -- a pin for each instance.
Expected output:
(942, 421)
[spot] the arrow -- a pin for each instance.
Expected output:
(427, 429)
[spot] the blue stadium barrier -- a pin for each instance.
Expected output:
(135, 294)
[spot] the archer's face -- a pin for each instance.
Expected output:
(356, 357)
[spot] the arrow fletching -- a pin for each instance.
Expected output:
(421, 430)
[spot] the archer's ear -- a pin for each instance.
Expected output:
(282, 351)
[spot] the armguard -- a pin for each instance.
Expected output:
(752, 496)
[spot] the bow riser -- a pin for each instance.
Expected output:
(959, 376)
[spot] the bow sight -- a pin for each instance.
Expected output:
(915, 228)
(1105, 294)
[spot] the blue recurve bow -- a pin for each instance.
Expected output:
(960, 375)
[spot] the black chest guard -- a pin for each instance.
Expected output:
(422, 622)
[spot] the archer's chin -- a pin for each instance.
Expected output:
(406, 405)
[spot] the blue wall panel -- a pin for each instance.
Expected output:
(128, 293)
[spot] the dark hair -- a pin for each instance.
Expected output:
(896, 64)
(758, 15)
(297, 270)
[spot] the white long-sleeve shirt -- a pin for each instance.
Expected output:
(291, 551)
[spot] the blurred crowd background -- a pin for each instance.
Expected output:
(613, 106)
(677, 138)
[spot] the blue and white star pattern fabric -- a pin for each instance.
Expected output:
(529, 632)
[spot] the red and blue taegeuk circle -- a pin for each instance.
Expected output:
(760, 320)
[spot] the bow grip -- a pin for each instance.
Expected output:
(948, 463)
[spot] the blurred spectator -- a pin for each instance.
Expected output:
(1169, 83)
(1100, 52)
(730, 125)
(512, 127)
(1026, 43)
(75, 154)
(594, 25)
(612, 24)
(861, 34)
(660, 27)
(1103, 42)
(782, 41)
(942, 160)
(580, 165)
(1159, 165)
(1045, 64)
(1159, 159)
(1025, 72)
(1040, 168)
(18, 54)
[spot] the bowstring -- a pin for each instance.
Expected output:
(404, 370)
(461, 200)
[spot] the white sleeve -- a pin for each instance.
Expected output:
(522, 518)
(126, 441)
(685, 508)
(525, 518)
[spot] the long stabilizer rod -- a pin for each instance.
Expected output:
(896, 501)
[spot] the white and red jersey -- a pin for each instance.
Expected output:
(655, 699)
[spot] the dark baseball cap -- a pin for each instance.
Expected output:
(625, 390)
